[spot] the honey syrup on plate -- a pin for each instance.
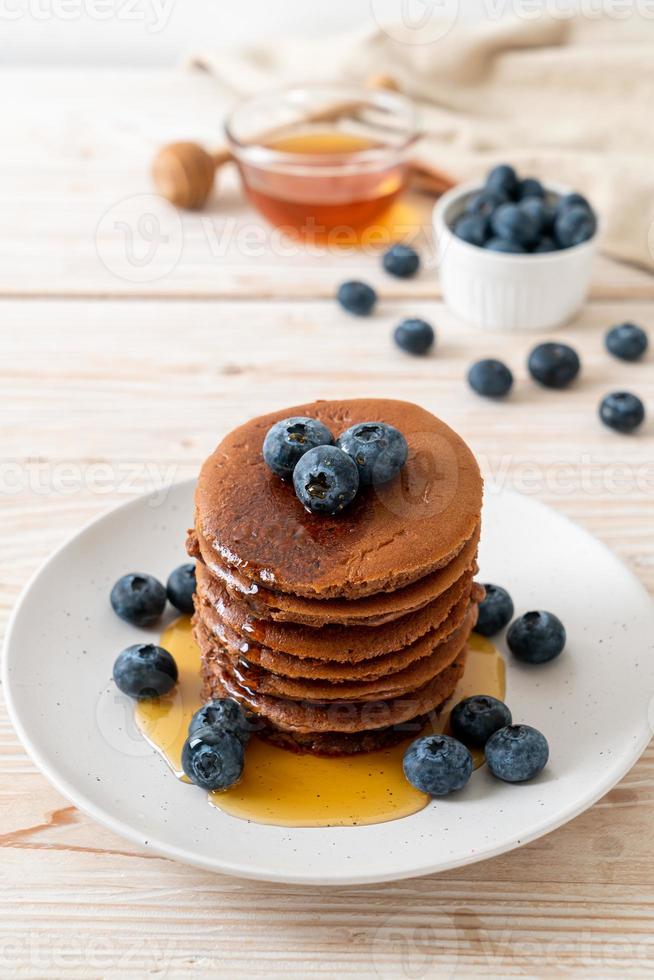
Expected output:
(289, 789)
(327, 196)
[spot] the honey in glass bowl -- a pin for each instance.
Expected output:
(316, 161)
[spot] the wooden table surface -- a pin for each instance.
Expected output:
(117, 376)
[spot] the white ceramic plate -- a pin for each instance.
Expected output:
(593, 703)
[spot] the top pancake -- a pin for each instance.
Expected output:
(389, 537)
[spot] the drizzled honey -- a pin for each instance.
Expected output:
(329, 194)
(301, 790)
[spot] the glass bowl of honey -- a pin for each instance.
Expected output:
(321, 161)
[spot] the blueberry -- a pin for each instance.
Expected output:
(626, 341)
(502, 245)
(379, 450)
(415, 336)
(472, 228)
(180, 588)
(513, 223)
(145, 671)
(622, 411)
(530, 187)
(574, 226)
(287, 441)
(573, 201)
(553, 365)
(484, 202)
(516, 753)
(503, 178)
(546, 244)
(357, 297)
(536, 637)
(474, 719)
(541, 213)
(326, 480)
(495, 611)
(490, 378)
(225, 714)
(213, 759)
(138, 598)
(437, 764)
(401, 261)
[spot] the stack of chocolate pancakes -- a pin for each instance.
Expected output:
(342, 634)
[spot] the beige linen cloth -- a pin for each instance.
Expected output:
(570, 100)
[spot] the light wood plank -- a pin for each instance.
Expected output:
(76, 153)
(148, 388)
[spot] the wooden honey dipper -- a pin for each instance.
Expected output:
(184, 172)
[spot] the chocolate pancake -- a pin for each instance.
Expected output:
(349, 644)
(312, 718)
(391, 685)
(391, 536)
(331, 670)
(253, 657)
(373, 610)
(346, 743)
(337, 633)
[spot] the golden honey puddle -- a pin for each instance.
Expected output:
(300, 790)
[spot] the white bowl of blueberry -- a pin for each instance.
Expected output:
(514, 254)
